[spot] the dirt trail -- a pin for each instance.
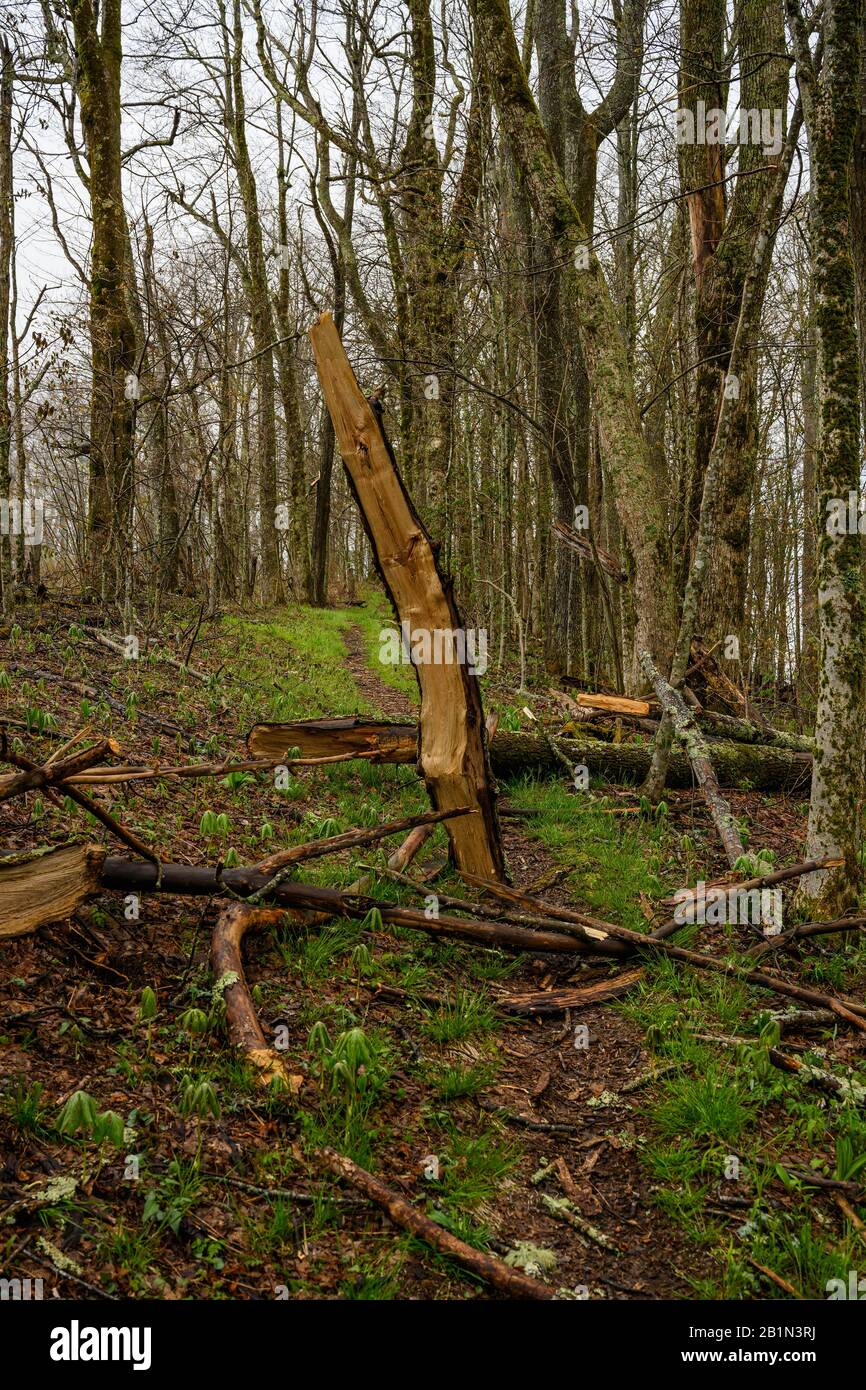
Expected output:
(566, 1071)
(383, 699)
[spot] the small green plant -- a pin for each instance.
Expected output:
(78, 1115)
(458, 1082)
(215, 827)
(166, 1205)
(147, 1011)
(194, 1023)
(24, 1105)
(236, 779)
(198, 1099)
(469, 1012)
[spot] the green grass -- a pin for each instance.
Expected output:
(469, 1013)
(724, 1119)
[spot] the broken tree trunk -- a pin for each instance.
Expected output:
(452, 754)
(46, 885)
(611, 704)
(699, 756)
(228, 970)
(26, 903)
(747, 766)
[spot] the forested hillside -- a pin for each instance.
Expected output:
(432, 650)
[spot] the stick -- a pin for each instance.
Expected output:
(512, 1282)
(353, 839)
(132, 772)
(807, 866)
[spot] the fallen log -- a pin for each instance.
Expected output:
(740, 731)
(487, 1267)
(690, 735)
(511, 754)
(244, 1028)
(452, 751)
(24, 905)
(46, 885)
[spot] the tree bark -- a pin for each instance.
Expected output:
(836, 806)
(451, 750)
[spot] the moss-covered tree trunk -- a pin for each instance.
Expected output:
(722, 228)
(836, 807)
(99, 54)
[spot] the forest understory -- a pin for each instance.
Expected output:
(645, 1147)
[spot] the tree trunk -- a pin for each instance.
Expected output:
(836, 807)
(112, 332)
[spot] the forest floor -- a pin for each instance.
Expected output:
(676, 1150)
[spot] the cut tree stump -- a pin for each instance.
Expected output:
(452, 753)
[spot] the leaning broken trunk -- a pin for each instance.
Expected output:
(452, 755)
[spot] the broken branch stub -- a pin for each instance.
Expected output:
(452, 754)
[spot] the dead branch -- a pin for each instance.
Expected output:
(843, 1006)
(355, 839)
(575, 541)
(512, 1282)
(699, 757)
(57, 769)
(244, 1029)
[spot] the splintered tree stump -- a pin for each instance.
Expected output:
(452, 754)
